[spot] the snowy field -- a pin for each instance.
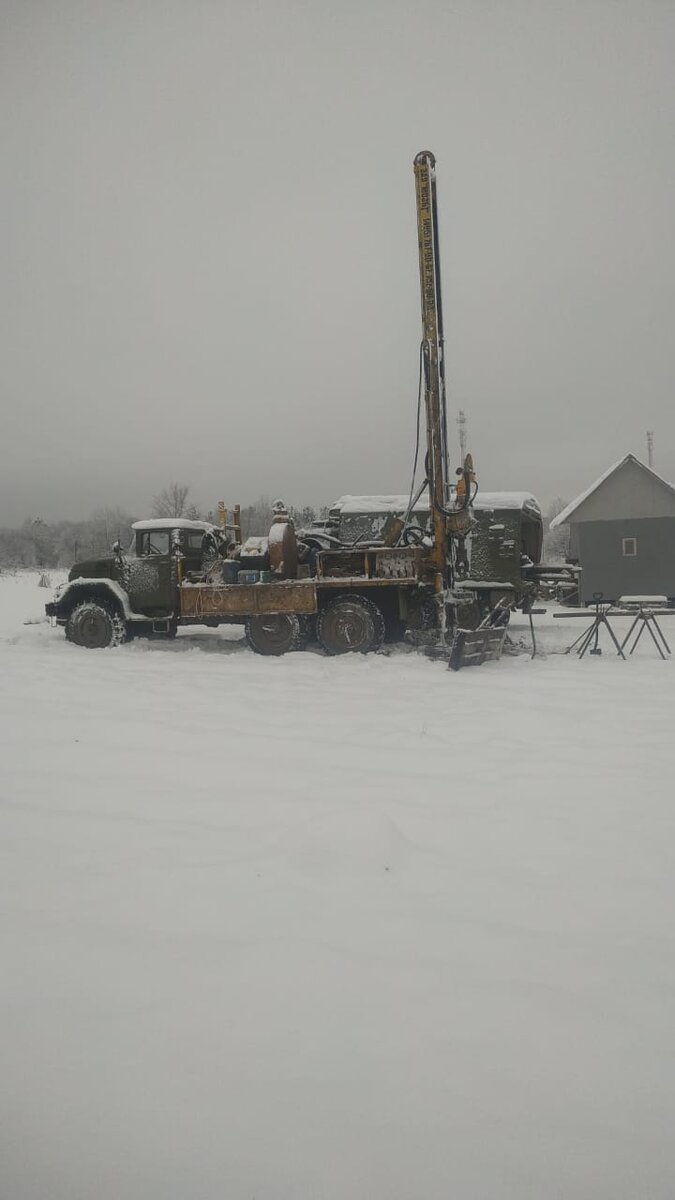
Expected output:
(313, 929)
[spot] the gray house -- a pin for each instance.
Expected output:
(622, 533)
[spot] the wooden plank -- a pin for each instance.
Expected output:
(589, 613)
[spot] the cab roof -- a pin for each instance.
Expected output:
(171, 523)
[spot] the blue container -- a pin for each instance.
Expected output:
(230, 570)
(249, 576)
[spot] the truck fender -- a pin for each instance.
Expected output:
(69, 595)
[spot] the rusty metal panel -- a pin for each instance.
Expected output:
(245, 600)
(293, 597)
(382, 562)
(332, 564)
(397, 564)
(360, 582)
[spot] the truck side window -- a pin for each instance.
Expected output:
(194, 541)
(153, 541)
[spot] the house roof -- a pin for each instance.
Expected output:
(564, 516)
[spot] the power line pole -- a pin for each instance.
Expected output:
(650, 448)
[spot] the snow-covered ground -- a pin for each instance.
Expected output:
(313, 929)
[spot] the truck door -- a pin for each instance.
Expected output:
(151, 583)
(192, 549)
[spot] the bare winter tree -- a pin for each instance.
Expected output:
(194, 513)
(556, 541)
(171, 501)
(303, 516)
(256, 518)
(106, 526)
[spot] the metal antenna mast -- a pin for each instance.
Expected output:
(650, 448)
(462, 423)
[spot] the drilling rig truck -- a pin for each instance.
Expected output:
(349, 597)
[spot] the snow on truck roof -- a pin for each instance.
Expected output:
(171, 523)
(384, 504)
(371, 504)
(506, 500)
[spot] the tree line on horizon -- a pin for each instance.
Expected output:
(42, 544)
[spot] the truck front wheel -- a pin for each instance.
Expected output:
(276, 633)
(93, 626)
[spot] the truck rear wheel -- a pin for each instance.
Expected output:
(275, 634)
(350, 624)
(93, 626)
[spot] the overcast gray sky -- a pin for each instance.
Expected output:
(209, 243)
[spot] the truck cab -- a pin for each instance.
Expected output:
(151, 564)
(133, 592)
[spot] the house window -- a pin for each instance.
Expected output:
(629, 546)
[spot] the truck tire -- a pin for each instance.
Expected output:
(94, 626)
(350, 624)
(275, 634)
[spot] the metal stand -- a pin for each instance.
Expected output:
(534, 612)
(592, 634)
(534, 640)
(646, 618)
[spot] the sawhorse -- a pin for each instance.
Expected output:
(646, 618)
(592, 633)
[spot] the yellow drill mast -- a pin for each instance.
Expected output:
(433, 358)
